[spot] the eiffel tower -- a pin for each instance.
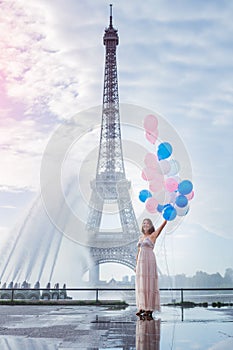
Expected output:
(110, 188)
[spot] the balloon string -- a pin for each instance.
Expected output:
(163, 243)
(163, 250)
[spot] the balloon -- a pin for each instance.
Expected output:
(164, 150)
(190, 195)
(174, 167)
(151, 205)
(181, 201)
(149, 174)
(160, 208)
(163, 197)
(152, 136)
(150, 122)
(182, 211)
(157, 183)
(171, 184)
(164, 166)
(169, 213)
(177, 178)
(185, 187)
(151, 161)
(156, 186)
(144, 195)
(172, 199)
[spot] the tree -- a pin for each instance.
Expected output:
(228, 277)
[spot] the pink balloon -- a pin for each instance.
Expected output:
(190, 195)
(144, 175)
(157, 184)
(151, 205)
(149, 174)
(152, 136)
(151, 160)
(150, 122)
(171, 184)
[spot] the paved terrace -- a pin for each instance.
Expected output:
(98, 327)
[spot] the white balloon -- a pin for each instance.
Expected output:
(164, 166)
(181, 211)
(174, 167)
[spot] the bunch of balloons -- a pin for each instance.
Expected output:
(167, 194)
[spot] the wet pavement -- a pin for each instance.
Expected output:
(98, 327)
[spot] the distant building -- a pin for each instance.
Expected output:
(125, 279)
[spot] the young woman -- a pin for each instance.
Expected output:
(147, 290)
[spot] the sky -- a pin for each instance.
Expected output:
(174, 58)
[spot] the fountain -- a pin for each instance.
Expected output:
(38, 251)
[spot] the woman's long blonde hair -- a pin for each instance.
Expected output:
(152, 229)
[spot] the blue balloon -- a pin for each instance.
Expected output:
(160, 208)
(144, 195)
(164, 150)
(169, 213)
(185, 187)
(181, 201)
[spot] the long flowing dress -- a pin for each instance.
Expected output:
(147, 290)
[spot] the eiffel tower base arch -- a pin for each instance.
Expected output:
(123, 255)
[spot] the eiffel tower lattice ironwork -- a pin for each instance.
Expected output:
(110, 187)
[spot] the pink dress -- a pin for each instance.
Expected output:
(147, 290)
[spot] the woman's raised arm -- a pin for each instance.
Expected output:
(159, 230)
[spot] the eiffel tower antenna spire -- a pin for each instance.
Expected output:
(110, 24)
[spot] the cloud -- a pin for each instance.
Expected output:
(180, 61)
(31, 73)
(21, 147)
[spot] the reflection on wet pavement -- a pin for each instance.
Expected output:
(148, 334)
(97, 328)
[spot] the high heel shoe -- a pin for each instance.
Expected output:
(148, 313)
(140, 312)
